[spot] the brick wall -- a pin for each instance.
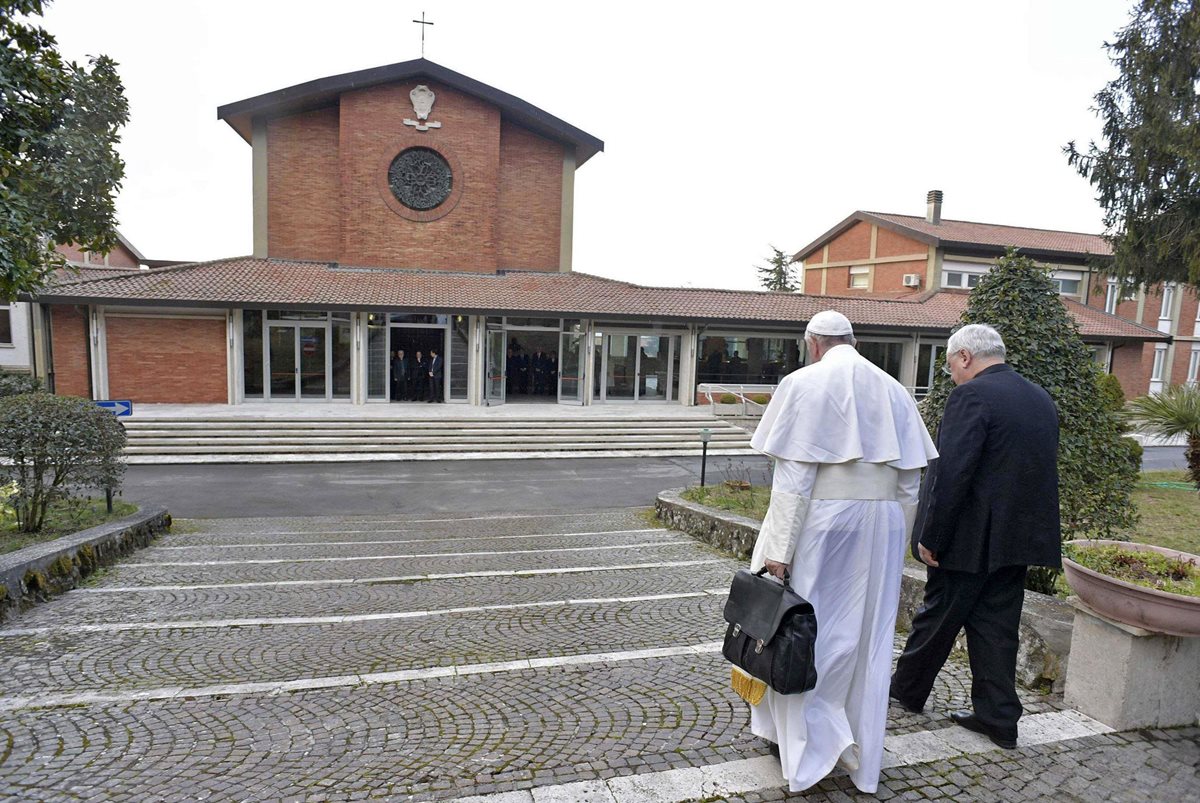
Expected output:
(69, 330)
(119, 257)
(530, 212)
(893, 244)
(854, 243)
(178, 360)
(1132, 363)
(328, 197)
(303, 187)
(372, 134)
(889, 277)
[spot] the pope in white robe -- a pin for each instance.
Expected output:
(848, 445)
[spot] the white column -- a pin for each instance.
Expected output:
(687, 367)
(358, 362)
(234, 356)
(99, 365)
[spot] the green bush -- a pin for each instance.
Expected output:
(16, 384)
(53, 446)
(1097, 467)
(1112, 392)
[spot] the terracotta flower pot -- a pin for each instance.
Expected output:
(1148, 608)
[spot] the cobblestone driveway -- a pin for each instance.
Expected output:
(436, 658)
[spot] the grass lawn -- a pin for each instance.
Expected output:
(60, 520)
(1170, 515)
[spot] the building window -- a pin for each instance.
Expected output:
(1160, 363)
(1067, 282)
(1112, 295)
(746, 359)
(860, 277)
(960, 279)
(1168, 301)
(6, 336)
(888, 355)
(1194, 365)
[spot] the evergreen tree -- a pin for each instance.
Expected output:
(1147, 170)
(777, 274)
(1097, 465)
(59, 169)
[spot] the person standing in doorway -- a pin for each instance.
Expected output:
(849, 446)
(419, 380)
(435, 376)
(400, 376)
(988, 511)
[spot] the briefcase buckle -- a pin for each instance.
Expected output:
(737, 630)
(759, 647)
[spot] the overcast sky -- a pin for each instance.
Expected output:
(727, 127)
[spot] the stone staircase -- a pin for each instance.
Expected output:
(309, 440)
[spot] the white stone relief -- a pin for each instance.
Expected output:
(422, 101)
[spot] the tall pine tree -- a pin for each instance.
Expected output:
(777, 273)
(1146, 171)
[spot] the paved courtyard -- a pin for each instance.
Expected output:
(503, 659)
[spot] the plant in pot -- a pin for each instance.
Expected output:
(1147, 586)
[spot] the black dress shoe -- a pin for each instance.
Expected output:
(909, 707)
(972, 723)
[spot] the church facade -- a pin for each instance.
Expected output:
(411, 209)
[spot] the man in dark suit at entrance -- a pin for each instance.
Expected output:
(436, 370)
(988, 510)
(400, 376)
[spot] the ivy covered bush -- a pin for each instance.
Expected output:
(1097, 466)
(52, 447)
(16, 384)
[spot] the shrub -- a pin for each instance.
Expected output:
(1096, 466)
(52, 446)
(1112, 392)
(16, 384)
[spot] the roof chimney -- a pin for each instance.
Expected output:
(933, 207)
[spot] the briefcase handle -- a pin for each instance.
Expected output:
(787, 576)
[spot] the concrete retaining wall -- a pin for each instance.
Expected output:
(41, 571)
(1045, 620)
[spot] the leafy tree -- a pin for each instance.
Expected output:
(1174, 411)
(778, 273)
(52, 446)
(1147, 170)
(59, 169)
(1097, 466)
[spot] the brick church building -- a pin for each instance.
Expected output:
(411, 208)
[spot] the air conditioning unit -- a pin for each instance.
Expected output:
(912, 280)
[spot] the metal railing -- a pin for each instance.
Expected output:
(748, 406)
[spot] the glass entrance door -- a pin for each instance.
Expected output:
(282, 342)
(298, 361)
(570, 368)
(636, 367)
(620, 370)
(495, 367)
(312, 368)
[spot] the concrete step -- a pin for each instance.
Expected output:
(298, 439)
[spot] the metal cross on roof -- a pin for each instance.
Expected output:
(422, 23)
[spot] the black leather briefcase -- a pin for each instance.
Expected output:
(772, 632)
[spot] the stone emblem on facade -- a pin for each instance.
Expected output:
(420, 178)
(422, 100)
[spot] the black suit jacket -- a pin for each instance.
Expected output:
(991, 498)
(435, 367)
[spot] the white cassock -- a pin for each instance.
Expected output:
(848, 445)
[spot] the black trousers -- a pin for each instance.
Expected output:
(988, 605)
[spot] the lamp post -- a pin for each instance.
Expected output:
(705, 437)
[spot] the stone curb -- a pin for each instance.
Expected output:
(1045, 621)
(41, 571)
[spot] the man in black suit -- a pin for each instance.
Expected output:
(988, 510)
(400, 376)
(436, 369)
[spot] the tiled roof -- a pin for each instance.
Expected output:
(254, 282)
(964, 235)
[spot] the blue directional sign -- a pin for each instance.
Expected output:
(119, 408)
